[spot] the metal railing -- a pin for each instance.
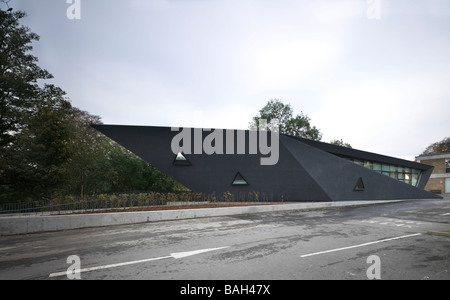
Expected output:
(130, 200)
(98, 202)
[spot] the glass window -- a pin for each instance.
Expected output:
(359, 162)
(414, 178)
(400, 173)
(181, 160)
(376, 167)
(239, 180)
(368, 164)
(447, 166)
(180, 156)
(359, 185)
(408, 178)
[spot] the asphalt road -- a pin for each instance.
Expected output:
(385, 241)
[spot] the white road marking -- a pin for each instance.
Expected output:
(172, 255)
(361, 245)
(107, 266)
(445, 214)
(395, 222)
(189, 253)
(8, 248)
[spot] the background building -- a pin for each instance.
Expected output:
(439, 182)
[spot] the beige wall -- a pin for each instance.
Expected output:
(437, 183)
(438, 164)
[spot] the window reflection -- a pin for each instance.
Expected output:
(405, 174)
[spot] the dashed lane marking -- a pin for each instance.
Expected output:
(361, 245)
(395, 222)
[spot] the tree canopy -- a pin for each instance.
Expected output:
(442, 146)
(47, 148)
(299, 125)
(340, 143)
(19, 74)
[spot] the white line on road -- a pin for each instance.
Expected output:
(107, 266)
(189, 253)
(172, 255)
(361, 245)
(8, 248)
(445, 214)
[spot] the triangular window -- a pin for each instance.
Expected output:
(239, 180)
(359, 185)
(181, 160)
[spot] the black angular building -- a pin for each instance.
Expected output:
(231, 164)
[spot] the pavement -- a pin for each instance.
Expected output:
(386, 241)
(25, 224)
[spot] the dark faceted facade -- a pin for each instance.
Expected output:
(305, 170)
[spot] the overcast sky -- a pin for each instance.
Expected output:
(375, 73)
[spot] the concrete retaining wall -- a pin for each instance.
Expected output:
(10, 225)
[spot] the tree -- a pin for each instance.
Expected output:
(47, 147)
(33, 125)
(88, 170)
(340, 143)
(442, 146)
(99, 165)
(19, 74)
(299, 125)
(40, 149)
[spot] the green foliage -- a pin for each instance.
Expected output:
(19, 74)
(340, 143)
(33, 128)
(36, 158)
(299, 125)
(47, 148)
(442, 146)
(5, 193)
